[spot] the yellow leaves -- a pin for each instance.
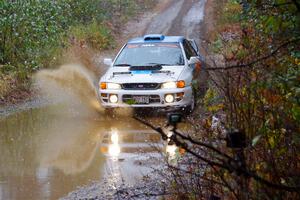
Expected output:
(207, 124)
(210, 101)
(258, 166)
(271, 141)
(244, 91)
(210, 94)
(215, 108)
(297, 61)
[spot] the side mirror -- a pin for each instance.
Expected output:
(107, 61)
(193, 60)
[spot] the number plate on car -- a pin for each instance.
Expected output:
(141, 99)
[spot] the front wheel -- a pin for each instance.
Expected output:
(109, 112)
(190, 108)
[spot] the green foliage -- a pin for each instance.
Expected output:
(27, 28)
(232, 12)
(32, 31)
(34, 34)
(263, 98)
(212, 102)
(97, 36)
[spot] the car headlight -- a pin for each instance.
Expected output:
(169, 98)
(110, 86)
(168, 85)
(173, 84)
(113, 98)
(113, 86)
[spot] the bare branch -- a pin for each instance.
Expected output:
(230, 166)
(250, 64)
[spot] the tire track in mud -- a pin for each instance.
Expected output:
(180, 18)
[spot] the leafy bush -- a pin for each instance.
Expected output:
(97, 36)
(33, 34)
(260, 89)
(27, 28)
(31, 31)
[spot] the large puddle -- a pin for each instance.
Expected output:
(47, 153)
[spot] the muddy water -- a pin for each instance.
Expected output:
(46, 154)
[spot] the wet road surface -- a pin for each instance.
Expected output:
(181, 17)
(48, 152)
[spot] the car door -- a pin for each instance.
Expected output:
(199, 79)
(190, 52)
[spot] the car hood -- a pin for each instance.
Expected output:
(124, 75)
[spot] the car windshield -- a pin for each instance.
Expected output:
(150, 54)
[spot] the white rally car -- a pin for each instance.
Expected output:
(154, 71)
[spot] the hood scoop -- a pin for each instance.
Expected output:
(143, 68)
(167, 72)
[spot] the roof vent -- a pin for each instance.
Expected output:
(154, 37)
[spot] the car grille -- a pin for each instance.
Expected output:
(140, 86)
(128, 98)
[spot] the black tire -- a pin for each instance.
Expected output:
(109, 112)
(190, 108)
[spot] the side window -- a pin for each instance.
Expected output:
(189, 50)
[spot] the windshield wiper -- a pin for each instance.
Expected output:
(123, 65)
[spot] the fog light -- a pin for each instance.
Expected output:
(113, 98)
(169, 98)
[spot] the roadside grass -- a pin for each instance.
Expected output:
(96, 35)
(14, 89)
(5, 84)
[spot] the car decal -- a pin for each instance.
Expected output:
(141, 72)
(131, 46)
(169, 45)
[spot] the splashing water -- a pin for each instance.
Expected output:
(72, 84)
(75, 85)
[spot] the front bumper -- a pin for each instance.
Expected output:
(157, 98)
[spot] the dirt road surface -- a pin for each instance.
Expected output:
(49, 150)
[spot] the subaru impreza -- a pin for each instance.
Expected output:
(153, 71)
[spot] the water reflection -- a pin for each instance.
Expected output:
(114, 147)
(171, 151)
(46, 153)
